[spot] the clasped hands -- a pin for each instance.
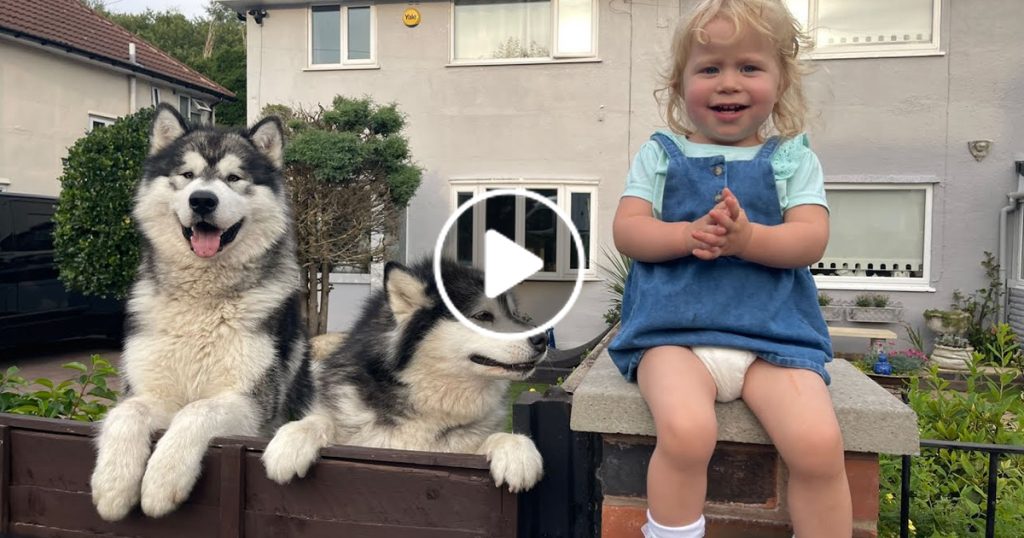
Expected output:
(723, 231)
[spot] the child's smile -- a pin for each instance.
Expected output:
(730, 85)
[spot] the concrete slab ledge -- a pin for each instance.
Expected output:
(872, 420)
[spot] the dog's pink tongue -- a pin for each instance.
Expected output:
(205, 243)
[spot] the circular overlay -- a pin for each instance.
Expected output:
(439, 248)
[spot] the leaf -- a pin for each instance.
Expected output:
(75, 365)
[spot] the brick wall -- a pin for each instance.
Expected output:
(746, 490)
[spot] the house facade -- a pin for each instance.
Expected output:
(918, 124)
(65, 70)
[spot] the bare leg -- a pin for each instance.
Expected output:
(795, 409)
(681, 396)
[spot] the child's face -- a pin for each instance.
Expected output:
(730, 85)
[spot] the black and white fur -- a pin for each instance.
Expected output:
(215, 344)
(410, 376)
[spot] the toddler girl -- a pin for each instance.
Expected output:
(723, 221)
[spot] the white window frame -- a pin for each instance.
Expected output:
(95, 118)
(555, 57)
(875, 51)
(922, 283)
(370, 63)
(156, 96)
(563, 243)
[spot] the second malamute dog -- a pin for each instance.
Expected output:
(410, 376)
(215, 344)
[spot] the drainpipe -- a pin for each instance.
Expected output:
(1014, 200)
(131, 79)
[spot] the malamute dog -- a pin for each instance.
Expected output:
(215, 344)
(410, 376)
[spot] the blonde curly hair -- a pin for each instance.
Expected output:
(770, 19)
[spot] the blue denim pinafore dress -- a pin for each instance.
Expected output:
(726, 302)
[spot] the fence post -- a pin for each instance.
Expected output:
(565, 502)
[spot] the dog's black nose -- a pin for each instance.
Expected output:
(202, 202)
(539, 342)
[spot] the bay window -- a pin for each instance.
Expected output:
(529, 223)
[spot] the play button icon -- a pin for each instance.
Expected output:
(506, 264)
(512, 235)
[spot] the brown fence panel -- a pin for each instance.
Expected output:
(45, 467)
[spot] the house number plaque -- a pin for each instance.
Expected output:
(411, 17)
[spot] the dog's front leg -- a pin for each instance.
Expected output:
(123, 446)
(514, 460)
(177, 460)
(296, 446)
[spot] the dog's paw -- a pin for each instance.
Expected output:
(514, 460)
(114, 493)
(291, 452)
(169, 479)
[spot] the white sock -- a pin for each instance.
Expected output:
(653, 529)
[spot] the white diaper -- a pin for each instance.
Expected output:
(728, 367)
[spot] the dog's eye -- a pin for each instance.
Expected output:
(484, 316)
(188, 175)
(233, 178)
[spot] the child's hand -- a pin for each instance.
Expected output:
(730, 216)
(706, 237)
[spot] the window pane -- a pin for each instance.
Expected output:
(800, 10)
(486, 29)
(183, 102)
(464, 231)
(359, 33)
(579, 212)
(541, 229)
(575, 26)
(873, 22)
(326, 34)
(501, 216)
(860, 219)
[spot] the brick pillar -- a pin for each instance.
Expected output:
(746, 490)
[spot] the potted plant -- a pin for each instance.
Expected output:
(947, 321)
(952, 352)
(874, 308)
(829, 310)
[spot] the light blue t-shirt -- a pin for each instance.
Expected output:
(798, 176)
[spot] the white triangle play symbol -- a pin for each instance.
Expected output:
(506, 263)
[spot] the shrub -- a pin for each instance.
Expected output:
(84, 397)
(824, 299)
(617, 270)
(948, 487)
(95, 242)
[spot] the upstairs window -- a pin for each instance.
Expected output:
(870, 28)
(342, 35)
(523, 30)
(97, 121)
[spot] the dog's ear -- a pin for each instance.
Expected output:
(167, 127)
(268, 137)
(406, 293)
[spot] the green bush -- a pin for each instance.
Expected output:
(84, 397)
(96, 244)
(948, 487)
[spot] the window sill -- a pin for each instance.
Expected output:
(587, 277)
(341, 67)
(523, 61)
(873, 285)
(858, 55)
